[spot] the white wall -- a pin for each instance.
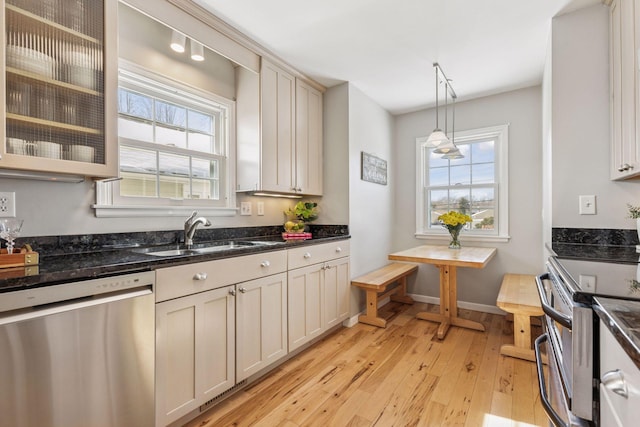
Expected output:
(580, 124)
(547, 138)
(371, 205)
(354, 123)
(523, 253)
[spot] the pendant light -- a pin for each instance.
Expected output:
(437, 137)
(445, 146)
(453, 153)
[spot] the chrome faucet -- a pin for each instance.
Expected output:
(190, 226)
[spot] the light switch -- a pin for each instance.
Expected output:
(260, 206)
(587, 205)
(245, 208)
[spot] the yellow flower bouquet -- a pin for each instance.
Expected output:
(454, 221)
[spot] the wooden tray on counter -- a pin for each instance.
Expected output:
(19, 258)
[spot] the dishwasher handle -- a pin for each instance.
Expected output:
(562, 319)
(61, 307)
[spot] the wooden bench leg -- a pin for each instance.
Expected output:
(401, 294)
(521, 339)
(371, 318)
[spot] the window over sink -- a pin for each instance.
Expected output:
(173, 144)
(176, 128)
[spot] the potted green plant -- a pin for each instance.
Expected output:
(299, 215)
(634, 213)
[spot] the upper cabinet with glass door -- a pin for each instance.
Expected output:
(59, 57)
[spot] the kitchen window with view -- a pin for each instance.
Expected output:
(174, 145)
(476, 185)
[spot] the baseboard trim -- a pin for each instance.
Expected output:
(483, 308)
(461, 304)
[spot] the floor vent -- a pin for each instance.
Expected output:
(206, 405)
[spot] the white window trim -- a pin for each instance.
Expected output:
(106, 204)
(501, 134)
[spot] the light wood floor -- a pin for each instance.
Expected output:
(398, 376)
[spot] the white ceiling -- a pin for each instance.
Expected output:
(386, 48)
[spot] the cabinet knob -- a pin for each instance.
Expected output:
(232, 292)
(265, 264)
(306, 255)
(243, 290)
(625, 167)
(614, 381)
(338, 249)
(200, 276)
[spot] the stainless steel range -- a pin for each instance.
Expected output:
(569, 381)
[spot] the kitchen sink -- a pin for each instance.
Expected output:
(203, 248)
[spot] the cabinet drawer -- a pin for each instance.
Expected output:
(308, 255)
(174, 282)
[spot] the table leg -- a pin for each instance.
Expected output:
(449, 305)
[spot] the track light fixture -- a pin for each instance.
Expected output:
(197, 50)
(178, 41)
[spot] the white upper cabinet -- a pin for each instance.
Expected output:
(625, 95)
(277, 108)
(308, 158)
(60, 77)
(280, 136)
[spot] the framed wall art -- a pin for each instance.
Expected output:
(374, 169)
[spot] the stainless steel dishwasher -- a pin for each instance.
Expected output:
(79, 354)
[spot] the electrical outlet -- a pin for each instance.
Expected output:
(587, 282)
(260, 206)
(245, 208)
(7, 204)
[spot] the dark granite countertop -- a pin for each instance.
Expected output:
(622, 318)
(57, 266)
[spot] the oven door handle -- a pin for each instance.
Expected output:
(562, 319)
(544, 399)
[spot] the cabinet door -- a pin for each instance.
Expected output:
(59, 113)
(194, 352)
(336, 287)
(624, 86)
(261, 333)
(308, 139)
(277, 104)
(305, 305)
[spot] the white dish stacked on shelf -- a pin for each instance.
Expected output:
(79, 68)
(80, 153)
(30, 60)
(51, 150)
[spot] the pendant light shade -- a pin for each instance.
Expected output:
(178, 41)
(453, 155)
(446, 148)
(436, 138)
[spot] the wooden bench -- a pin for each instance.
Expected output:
(519, 296)
(375, 284)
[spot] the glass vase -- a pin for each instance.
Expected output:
(455, 233)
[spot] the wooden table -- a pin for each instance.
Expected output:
(447, 260)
